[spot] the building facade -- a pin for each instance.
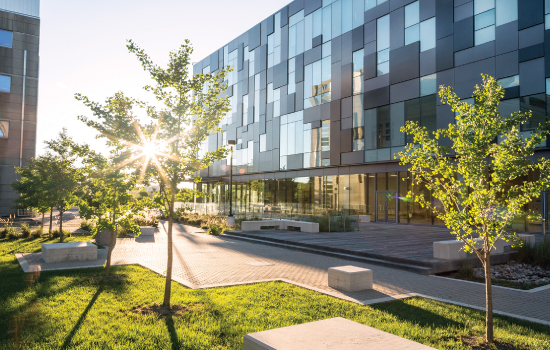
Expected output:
(321, 88)
(19, 66)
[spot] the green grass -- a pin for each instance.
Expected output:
(74, 309)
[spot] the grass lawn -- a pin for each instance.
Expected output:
(77, 309)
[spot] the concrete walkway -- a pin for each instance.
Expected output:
(204, 261)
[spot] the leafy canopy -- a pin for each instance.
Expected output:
(480, 179)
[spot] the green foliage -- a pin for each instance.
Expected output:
(11, 233)
(146, 218)
(128, 225)
(481, 186)
(37, 233)
(538, 254)
(25, 230)
(56, 233)
(88, 225)
(466, 272)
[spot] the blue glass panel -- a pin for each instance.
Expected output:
(327, 23)
(308, 32)
(327, 49)
(509, 82)
(358, 13)
(427, 34)
(547, 22)
(308, 80)
(483, 5)
(358, 111)
(317, 73)
(485, 19)
(6, 38)
(485, 35)
(507, 11)
(412, 14)
(384, 56)
(428, 85)
(347, 15)
(412, 34)
(369, 4)
(5, 83)
(548, 86)
(383, 68)
(358, 62)
(292, 41)
(297, 17)
(300, 37)
(383, 33)
(336, 18)
(317, 23)
(326, 69)
(291, 83)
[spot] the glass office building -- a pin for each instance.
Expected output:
(321, 88)
(19, 62)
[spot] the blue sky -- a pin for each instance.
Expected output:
(82, 49)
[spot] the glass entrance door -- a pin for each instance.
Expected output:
(385, 206)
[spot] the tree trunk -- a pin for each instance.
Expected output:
(168, 287)
(488, 298)
(51, 219)
(111, 247)
(42, 220)
(60, 226)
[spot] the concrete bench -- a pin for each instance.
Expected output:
(350, 278)
(148, 231)
(309, 227)
(364, 218)
(64, 252)
(453, 250)
(334, 333)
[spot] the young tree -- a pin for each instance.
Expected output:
(65, 176)
(31, 185)
(105, 196)
(475, 184)
(192, 108)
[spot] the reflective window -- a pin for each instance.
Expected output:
(427, 34)
(509, 82)
(245, 110)
(327, 23)
(485, 35)
(383, 60)
(383, 33)
(358, 13)
(412, 34)
(537, 105)
(317, 83)
(269, 92)
(5, 83)
(358, 111)
(4, 128)
(372, 3)
(326, 49)
(325, 135)
(548, 86)
(263, 142)
(6, 38)
(358, 139)
(428, 85)
(483, 5)
(347, 15)
(412, 14)
(358, 72)
(336, 18)
(507, 11)
(383, 135)
(296, 36)
(485, 19)
(206, 70)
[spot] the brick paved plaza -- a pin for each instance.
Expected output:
(202, 261)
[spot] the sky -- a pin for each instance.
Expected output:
(83, 49)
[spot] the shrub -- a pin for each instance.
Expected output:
(146, 218)
(216, 230)
(88, 226)
(11, 234)
(538, 254)
(55, 234)
(3, 232)
(25, 230)
(37, 233)
(466, 272)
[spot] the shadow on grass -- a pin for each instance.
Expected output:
(416, 315)
(76, 327)
(172, 331)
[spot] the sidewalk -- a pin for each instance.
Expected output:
(204, 261)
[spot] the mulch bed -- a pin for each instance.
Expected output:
(478, 343)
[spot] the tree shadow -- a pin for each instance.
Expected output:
(169, 321)
(78, 324)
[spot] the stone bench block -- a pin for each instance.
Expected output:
(364, 218)
(334, 333)
(350, 278)
(310, 227)
(148, 230)
(452, 249)
(64, 252)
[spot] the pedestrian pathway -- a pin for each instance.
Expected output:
(204, 261)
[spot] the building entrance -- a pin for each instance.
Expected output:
(385, 206)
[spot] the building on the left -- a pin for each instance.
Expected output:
(19, 70)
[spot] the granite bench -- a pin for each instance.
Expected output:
(64, 252)
(350, 278)
(453, 249)
(334, 333)
(303, 226)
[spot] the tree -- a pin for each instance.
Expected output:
(192, 108)
(105, 197)
(31, 185)
(476, 183)
(65, 176)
